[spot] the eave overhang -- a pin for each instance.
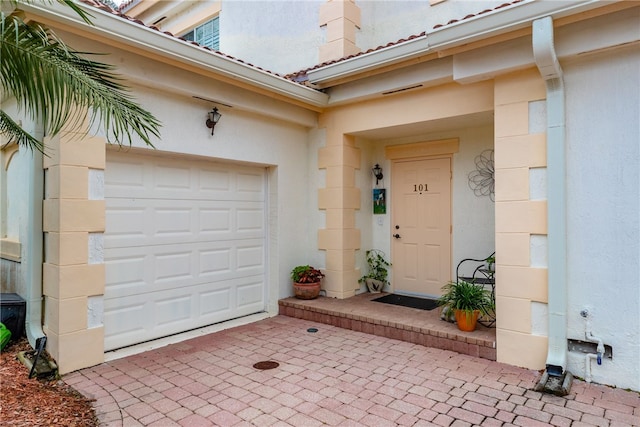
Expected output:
(111, 27)
(483, 26)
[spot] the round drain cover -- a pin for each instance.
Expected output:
(312, 330)
(267, 364)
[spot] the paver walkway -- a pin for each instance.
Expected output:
(332, 377)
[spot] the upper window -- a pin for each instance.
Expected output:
(207, 34)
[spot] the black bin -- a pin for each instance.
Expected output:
(12, 313)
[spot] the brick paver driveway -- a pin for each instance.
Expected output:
(332, 377)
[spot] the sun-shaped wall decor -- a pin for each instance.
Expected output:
(482, 180)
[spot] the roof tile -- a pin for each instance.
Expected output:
(298, 76)
(97, 4)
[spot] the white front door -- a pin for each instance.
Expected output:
(184, 245)
(421, 226)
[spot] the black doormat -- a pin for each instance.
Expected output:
(406, 301)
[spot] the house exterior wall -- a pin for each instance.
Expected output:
(603, 207)
(341, 158)
(473, 235)
(285, 36)
(521, 209)
(385, 21)
(14, 210)
(281, 36)
(320, 179)
(73, 270)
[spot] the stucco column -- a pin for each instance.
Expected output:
(341, 18)
(73, 270)
(520, 220)
(340, 199)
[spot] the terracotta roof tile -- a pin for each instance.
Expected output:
(125, 4)
(300, 75)
(97, 4)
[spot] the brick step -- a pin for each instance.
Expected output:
(360, 313)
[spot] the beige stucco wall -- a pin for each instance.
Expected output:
(517, 219)
(341, 158)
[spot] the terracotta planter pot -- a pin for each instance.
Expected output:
(467, 320)
(306, 290)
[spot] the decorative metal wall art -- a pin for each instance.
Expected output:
(482, 180)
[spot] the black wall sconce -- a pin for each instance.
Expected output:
(377, 172)
(213, 119)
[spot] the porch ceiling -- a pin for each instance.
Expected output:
(420, 128)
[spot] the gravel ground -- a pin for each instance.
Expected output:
(32, 402)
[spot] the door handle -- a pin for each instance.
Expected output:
(397, 236)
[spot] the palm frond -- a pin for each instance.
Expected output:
(51, 80)
(14, 132)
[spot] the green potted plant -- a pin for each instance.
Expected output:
(306, 281)
(376, 278)
(467, 301)
(491, 261)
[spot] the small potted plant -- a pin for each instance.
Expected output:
(467, 301)
(306, 281)
(376, 278)
(491, 261)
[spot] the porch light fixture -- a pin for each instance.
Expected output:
(213, 119)
(377, 172)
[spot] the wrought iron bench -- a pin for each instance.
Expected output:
(483, 274)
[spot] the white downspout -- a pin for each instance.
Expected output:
(34, 250)
(549, 67)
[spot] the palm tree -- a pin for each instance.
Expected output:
(53, 82)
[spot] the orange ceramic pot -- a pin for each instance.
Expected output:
(467, 320)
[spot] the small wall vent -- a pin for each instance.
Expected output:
(401, 89)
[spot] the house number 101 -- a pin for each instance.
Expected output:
(420, 187)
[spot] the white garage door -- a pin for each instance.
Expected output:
(184, 245)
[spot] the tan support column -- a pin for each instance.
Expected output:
(341, 18)
(517, 217)
(70, 275)
(340, 199)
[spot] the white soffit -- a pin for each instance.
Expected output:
(112, 27)
(490, 24)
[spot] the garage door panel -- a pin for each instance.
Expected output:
(250, 294)
(125, 175)
(184, 245)
(148, 316)
(250, 183)
(214, 220)
(249, 219)
(126, 274)
(249, 257)
(173, 310)
(140, 222)
(215, 181)
(197, 180)
(139, 269)
(176, 221)
(171, 179)
(217, 261)
(125, 223)
(215, 302)
(170, 267)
